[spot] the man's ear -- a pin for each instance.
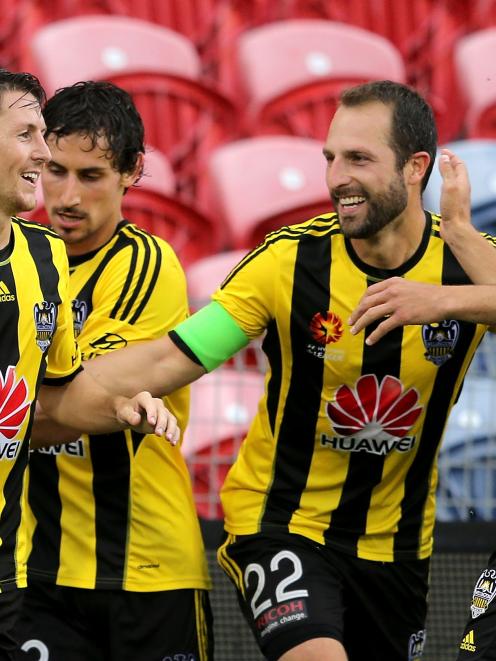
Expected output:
(129, 178)
(416, 167)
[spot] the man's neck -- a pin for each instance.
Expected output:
(395, 244)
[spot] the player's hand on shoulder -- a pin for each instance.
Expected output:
(148, 415)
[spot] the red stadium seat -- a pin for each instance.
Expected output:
(161, 70)
(475, 55)
(203, 278)
(293, 72)
(205, 275)
(260, 184)
(152, 205)
(223, 405)
(423, 32)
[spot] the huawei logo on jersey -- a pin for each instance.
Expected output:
(373, 417)
(14, 404)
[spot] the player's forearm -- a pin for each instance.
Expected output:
(476, 255)
(157, 366)
(475, 303)
(48, 432)
(82, 404)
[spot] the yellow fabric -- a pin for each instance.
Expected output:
(34, 277)
(126, 517)
(296, 470)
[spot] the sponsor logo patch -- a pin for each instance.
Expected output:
(440, 340)
(108, 342)
(468, 642)
(281, 615)
(5, 295)
(14, 407)
(72, 449)
(373, 417)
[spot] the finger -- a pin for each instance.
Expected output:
(129, 416)
(382, 329)
(368, 317)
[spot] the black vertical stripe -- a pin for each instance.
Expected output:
(111, 481)
(86, 293)
(349, 519)
(419, 475)
(272, 348)
(46, 505)
(153, 280)
(295, 445)
(46, 487)
(129, 279)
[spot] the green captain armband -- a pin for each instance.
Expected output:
(212, 335)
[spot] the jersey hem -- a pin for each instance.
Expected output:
(193, 582)
(320, 539)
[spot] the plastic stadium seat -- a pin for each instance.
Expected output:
(474, 56)
(152, 204)
(205, 275)
(293, 72)
(223, 403)
(161, 70)
(424, 32)
(203, 278)
(260, 184)
(480, 159)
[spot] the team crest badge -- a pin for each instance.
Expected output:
(45, 318)
(79, 314)
(416, 645)
(440, 340)
(484, 592)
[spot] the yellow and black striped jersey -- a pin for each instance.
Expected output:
(37, 346)
(343, 447)
(117, 511)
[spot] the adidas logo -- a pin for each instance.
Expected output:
(468, 642)
(5, 294)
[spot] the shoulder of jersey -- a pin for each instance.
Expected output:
(36, 227)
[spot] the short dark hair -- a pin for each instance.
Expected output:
(413, 127)
(98, 110)
(22, 82)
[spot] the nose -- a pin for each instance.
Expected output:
(70, 194)
(337, 174)
(41, 153)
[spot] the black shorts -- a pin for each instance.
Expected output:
(292, 589)
(75, 624)
(10, 607)
(478, 641)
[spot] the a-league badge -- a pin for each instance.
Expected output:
(484, 592)
(45, 318)
(440, 340)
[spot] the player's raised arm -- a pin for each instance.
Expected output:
(474, 252)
